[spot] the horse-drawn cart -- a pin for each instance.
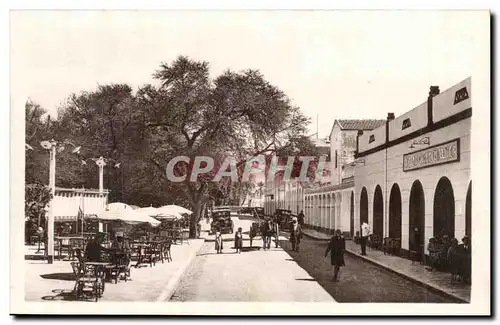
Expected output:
(283, 218)
(265, 229)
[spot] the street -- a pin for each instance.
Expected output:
(281, 275)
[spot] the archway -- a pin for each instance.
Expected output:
(352, 214)
(395, 212)
(363, 207)
(417, 219)
(444, 209)
(468, 211)
(378, 212)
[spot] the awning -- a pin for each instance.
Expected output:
(68, 203)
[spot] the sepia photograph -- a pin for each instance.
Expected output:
(250, 162)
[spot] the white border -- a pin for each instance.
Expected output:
(480, 174)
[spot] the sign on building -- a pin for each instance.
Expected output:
(443, 153)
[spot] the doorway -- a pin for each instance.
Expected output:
(395, 212)
(378, 212)
(417, 220)
(363, 207)
(444, 209)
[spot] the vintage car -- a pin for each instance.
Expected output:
(283, 218)
(221, 219)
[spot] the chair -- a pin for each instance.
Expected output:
(88, 281)
(396, 246)
(121, 266)
(74, 245)
(149, 255)
(166, 251)
(63, 245)
(375, 241)
(387, 246)
(356, 238)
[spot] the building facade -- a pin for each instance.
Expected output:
(415, 181)
(331, 206)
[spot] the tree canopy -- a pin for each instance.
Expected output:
(187, 113)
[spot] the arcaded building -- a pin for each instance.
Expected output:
(414, 182)
(331, 206)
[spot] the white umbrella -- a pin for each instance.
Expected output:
(150, 211)
(174, 208)
(169, 215)
(125, 213)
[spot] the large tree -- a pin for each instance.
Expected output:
(238, 114)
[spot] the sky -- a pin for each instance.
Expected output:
(332, 64)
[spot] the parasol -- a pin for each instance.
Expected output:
(174, 209)
(150, 211)
(124, 212)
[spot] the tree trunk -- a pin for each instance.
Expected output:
(194, 219)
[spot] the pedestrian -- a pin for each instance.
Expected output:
(453, 259)
(365, 232)
(433, 254)
(336, 247)
(465, 260)
(295, 234)
(238, 240)
(270, 226)
(301, 218)
(218, 241)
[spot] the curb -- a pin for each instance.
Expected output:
(172, 285)
(407, 277)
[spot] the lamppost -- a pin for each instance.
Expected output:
(53, 147)
(101, 162)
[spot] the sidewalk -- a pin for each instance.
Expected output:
(46, 282)
(416, 272)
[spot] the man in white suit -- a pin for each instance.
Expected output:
(365, 232)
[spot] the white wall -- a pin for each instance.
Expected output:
(373, 173)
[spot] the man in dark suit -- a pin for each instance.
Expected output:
(465, 259)
(295, 234)
(336, 247)
(94, 248)
(301, 218)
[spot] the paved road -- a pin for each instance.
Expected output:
(282, 275)
(254, 275)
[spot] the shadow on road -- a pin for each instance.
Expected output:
(358, 281)
(34, 257)
(59, 276)
(64, 295)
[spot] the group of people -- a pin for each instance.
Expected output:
(447, 254)
(238, 241)
(94, 249)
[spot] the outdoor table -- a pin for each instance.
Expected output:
(119, 263)
(97, 266)
(64, 242)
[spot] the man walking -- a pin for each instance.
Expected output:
(365, 232)
(336, 247)
(300, 218)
